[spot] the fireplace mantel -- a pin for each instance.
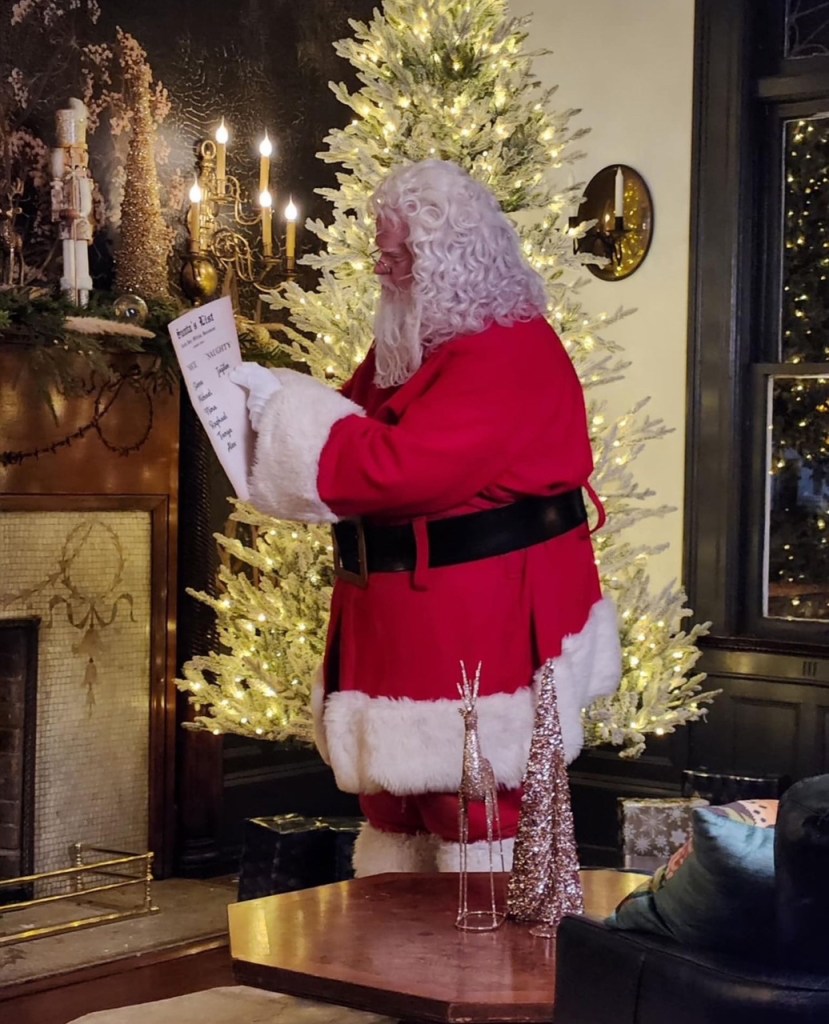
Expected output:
(127, 461)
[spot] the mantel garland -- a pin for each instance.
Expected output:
(66, 358)
(52, 330)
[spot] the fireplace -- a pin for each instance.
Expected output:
(85, 577)
(88, 546)
(18, 692)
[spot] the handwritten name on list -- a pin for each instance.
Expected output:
(207, 348)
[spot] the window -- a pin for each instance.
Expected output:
(796, 496)
(794, 406)
(806, 28)
(757, 520)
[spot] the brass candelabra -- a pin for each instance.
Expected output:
(230, 239)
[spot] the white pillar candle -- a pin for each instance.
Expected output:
(265, 201)
(291, 214)
(222, 136)
(619, 194)
(265, 150)
(194, 216)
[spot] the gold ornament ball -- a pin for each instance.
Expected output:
(131, 308)
(199, 279)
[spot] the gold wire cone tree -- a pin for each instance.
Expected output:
(450, 79)
(145, 241)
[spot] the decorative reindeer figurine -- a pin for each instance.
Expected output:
(477, 784)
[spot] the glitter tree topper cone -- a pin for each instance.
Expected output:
(545, 883)
(145, 241)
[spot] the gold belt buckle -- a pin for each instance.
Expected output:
(359, 578)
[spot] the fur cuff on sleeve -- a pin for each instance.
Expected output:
(292, 434)
(590, 666)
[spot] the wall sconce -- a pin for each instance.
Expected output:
(618, 200)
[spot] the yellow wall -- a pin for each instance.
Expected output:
(628, 65)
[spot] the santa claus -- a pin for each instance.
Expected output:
(453, 466)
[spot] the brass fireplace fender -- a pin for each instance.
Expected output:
(115, 864)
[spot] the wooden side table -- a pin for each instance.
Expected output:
(388, 944)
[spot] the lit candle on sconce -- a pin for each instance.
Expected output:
(194, 216)
(222, 136)
(619, 194)
(265, 150)
(291, 214)
(573, 203)
(265, 201)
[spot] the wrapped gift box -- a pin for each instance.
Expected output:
(652, 829)
(289, 852)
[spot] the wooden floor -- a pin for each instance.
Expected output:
(156, 975)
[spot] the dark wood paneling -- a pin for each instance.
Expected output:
(822, 731)
(720, 308)
(203, 513)
(766, 735)
(768, 719)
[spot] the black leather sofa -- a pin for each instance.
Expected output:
(606, 976)
(612, 977)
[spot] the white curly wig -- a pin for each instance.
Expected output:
(468, 269)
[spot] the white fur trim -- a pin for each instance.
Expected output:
(376, 852)
(416, 746)
(477, 855)
(409, 746)
(317, 711)
(293, 431)
(589, 666)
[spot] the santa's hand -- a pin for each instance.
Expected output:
(260, 382)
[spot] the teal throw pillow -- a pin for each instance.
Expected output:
(722, 895)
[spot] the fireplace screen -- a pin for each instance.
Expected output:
(86, 577)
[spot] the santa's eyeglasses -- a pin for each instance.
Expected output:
(387, 261)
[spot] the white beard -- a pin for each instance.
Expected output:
(398, 335)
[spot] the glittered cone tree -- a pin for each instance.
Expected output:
(452, 79)
(545, 883)
(145, 242)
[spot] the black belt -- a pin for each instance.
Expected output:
(361, 548)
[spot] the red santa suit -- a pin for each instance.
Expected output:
(488, 419)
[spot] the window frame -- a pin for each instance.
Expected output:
(744, 92)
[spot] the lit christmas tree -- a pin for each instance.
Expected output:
(449, 79)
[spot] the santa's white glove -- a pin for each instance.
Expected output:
(260, 382)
